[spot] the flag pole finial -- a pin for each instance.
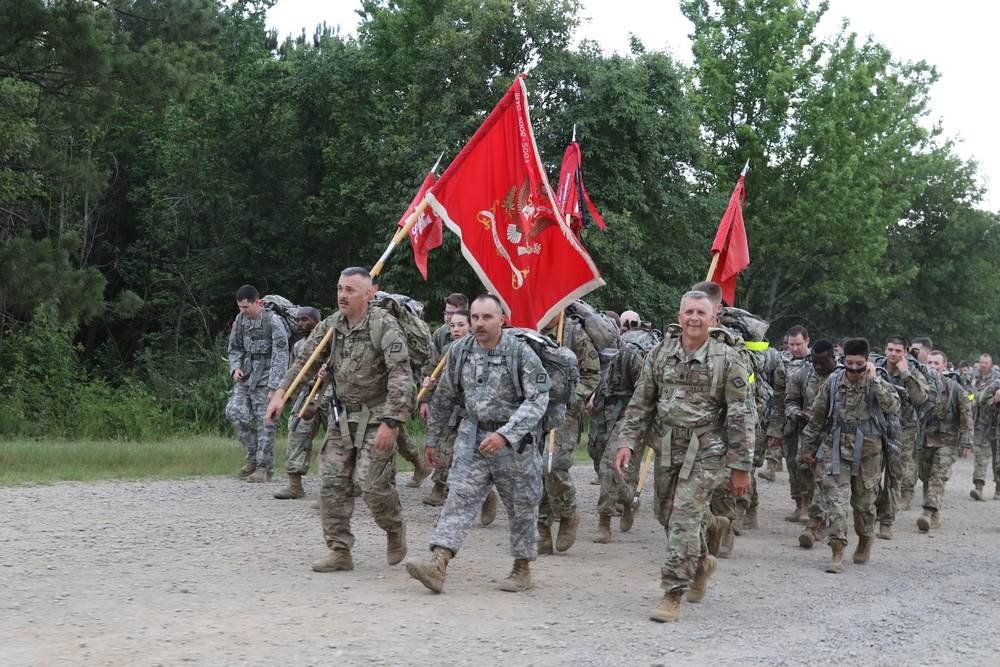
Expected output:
(574, 131)
(746, 167)
(435, 167)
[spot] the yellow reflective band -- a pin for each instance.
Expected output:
(757, 347)
(751, 378)
(972, 397)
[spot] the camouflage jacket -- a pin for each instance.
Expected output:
(576, 339)
(363, 374)
(440, 342)
(263, 361)
(950, 424)
(854, 413)
(801, 390)
(488, 394)
(677, 389)
(913, 382)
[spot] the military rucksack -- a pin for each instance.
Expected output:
(887, 426)
(934, 387)
(633, 346)
(601, 329)
(407, 312)
(285, 310)
(752, 329)
(559, 362)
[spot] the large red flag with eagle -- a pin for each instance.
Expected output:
(426, 233)
(572, 190)
(497, 198)
(731, 245)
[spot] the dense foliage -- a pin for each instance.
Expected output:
(157, 154)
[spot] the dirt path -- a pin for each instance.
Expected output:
(215, 572)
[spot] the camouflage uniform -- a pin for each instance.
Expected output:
(559, 496)
(441, 341)
(802, 485)
(985, 428)
(917, 392)
(701, 414)
(843, 474)
(301, 435)
(263, 360)
(800, 394)
(942, 440)
(372, 381)
(488, 393)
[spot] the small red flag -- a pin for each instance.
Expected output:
(731, 245)
(497, 198)
(572, 189)
(426, 234)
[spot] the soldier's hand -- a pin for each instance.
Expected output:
(311, 411)
(431, 457)
(238, 375)
(430, 383)
(385, 437)
(739, 483)
(808, 460)
(870, 370)
(623, 457)
(964, 451)
(902, 366)
(802, 416)
(590, 404)
(275, 402)
(773, 441)
(493, 444)
(425, 410)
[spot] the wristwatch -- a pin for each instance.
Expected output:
(390, 422)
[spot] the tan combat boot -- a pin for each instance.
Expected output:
(864, 550)
(544, 540)
(293, 490)
(809, 535)
(797, 512)
(726, 540)
(750, 519)
(669, 608)
(716, 527)
(246, 470)
(700, 584)
(437, 495)
(936, 519)
(836, 564)
(338, 560)
(603, 534)
(489, 513)
(977, 493)
(395, 545)
(906, 499)
(519, 578)
(885, 531)
(421, 471)
(924, 521)
(769, 472)
(996, 494)
(628, 517)
(567, 532)
(431, 573)
(259, 476)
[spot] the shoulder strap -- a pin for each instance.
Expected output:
(718, 356)
(267, 325)
(375, 328)
(458, 352)
(833, 416)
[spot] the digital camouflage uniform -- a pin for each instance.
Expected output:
(487, 391)
(704, 425)
(917, 392)
(264, 361)
(843, 475)
(371, 383)
(949, 428)
(440, 342)
(985, 425)
(559, 495)
(801, 390)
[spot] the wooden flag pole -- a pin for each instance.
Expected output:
(552, 433)
(434, 375)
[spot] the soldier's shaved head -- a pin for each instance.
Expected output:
(628, 316)
(713, 290)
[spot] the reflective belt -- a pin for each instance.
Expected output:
(692, 449)
(755, 346)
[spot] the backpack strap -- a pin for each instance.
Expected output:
(375, 328)
(267, 324)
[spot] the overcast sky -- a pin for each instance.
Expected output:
(958, 37)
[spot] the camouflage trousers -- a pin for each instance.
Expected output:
(615, 489)
(885, 504)
(375, 471)
(837, 491)
(682, 507)
(408, 448)
(935, 471)
(247, 404)
(559, 494)
(445, 455)
(597, 439)
(300, 441)
(985, 453)
(724, 504)
(802, 483)
(518, 479)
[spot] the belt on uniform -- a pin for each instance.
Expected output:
(859, 441)
(692, 434)
(366, 415)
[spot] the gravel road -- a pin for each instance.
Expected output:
(214, 572)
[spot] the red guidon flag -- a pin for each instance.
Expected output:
(731, 245)
(426, 233)
(497, 198)
(572, 190)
